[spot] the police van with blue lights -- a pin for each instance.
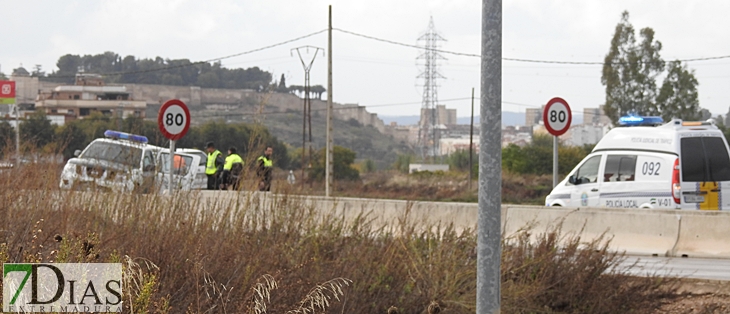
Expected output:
(125, 162)
(648, 164)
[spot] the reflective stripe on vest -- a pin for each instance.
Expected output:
(230, 160)
(267, 162)
(210, 166)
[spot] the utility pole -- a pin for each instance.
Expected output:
(17, 136)
(329, 160)
(489, 250)
(307, 112)
(471, 141)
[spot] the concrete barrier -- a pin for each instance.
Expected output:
(634, 231)
(704, 234)
(642, 232)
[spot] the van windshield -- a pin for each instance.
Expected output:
(704, 159)
(122, 154)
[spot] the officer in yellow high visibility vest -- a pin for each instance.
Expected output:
(213, 166)
(232, 169)
(265, 169)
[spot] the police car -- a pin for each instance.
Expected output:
(125, 163)
(647, 164)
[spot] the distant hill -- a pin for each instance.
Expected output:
(508, 118)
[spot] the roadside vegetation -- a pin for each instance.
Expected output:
(238, 254)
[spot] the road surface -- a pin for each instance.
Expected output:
(695, 268)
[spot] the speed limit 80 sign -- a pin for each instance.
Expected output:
(173, 119)
(556, 116)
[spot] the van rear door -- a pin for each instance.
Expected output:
(185, 168)
(705, 171)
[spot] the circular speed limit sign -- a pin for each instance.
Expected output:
(556, 116)
(173, 119)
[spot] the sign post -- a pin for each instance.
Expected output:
(7, 97)
(557, 117)
(174, 122)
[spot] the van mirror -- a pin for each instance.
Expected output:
(572, 180)
(77, 153)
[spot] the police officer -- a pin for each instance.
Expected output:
(264, 169)
(232, 169)
(213, 166)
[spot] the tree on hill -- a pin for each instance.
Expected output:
(630, 72)
(343, 159)
(21, 71)
(282, 85)
(318, 90)
(183, 72)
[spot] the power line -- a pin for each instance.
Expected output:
(507, 59)
(205, 61)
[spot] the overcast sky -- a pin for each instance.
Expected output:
(372, 73)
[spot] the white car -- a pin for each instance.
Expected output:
(678, 165)
(122, 162)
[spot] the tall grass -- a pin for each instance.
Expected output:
(245, 255)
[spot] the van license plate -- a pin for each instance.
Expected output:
(694, 199)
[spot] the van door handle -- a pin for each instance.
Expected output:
(594, 190)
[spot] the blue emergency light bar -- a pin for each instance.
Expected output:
(125, 136)
(640, 121)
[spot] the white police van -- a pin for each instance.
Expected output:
(201, 179)
(125, 163)
(677, 165)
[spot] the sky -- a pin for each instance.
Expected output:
(375, 74)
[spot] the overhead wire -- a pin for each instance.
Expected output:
(204, 61)
(506, 59)
(367, 37)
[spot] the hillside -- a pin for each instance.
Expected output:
(366, 141)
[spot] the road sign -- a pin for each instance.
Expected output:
(7, 92)
(556, 116)
(174, 119)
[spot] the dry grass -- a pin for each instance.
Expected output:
(448, 186)
(184, 254)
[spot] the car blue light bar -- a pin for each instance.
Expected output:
(640, 120)
(125, 136)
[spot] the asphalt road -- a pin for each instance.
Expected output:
(695, 268)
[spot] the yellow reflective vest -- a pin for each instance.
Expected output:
(210, 167)
(267, 161)
(230, 160)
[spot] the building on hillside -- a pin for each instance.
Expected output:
(518, 135)
(89, 95)
(585, 134)
(443, 116)
(449, 146)
(595, 116)
(26, 90)
(533, 116)
(400, 133)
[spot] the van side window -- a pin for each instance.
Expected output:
(149, 161)
(619, 168)
(704, 159)
(588, 172)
